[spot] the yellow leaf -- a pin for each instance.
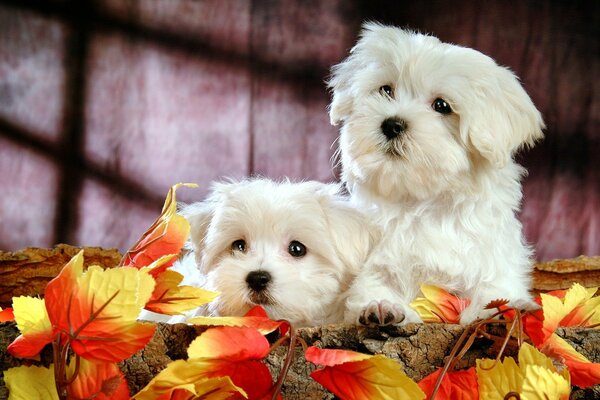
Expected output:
(542, 384)
(193, 377)
(28, 383)
(497, 382)
(31, 316)
(100, 307)
(133, 289)
(529, 355)
(169, 298)
(439, 305)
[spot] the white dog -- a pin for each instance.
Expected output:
(427, 143)
(292, 248)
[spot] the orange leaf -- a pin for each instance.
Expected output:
(576, 306)
(351, 375)
(333, 357)
(198, 375)
(439, 305)
(583, 372)
(99, 381)
(6, 315)
(235, 352)
(256, 318)
(167, 235)
(455, 385)
(36, 330)
(97, 310)
(229, 343)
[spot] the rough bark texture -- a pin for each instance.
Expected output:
(418, 348)
(26, 272)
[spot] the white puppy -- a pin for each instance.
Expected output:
(427, 143)
(292, 248)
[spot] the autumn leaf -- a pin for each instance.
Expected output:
(573, 307)
(256, 318)
(167, 235)
(97, 310)
(455, 385)
(583, 372)
(98, 381)
(27, 383)
(534, 378)
(217, 353)
(229, 343)
(438, 305)
(350, 375)
(184, 379)
(35, 327)
(6, 315)
(170, 298)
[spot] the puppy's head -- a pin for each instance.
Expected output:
(289, 247)
(420, 115)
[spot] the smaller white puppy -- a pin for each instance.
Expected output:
(292, 248)
(427, 143)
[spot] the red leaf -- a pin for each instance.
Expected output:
(100, 381)
(29, 346)
(229, 343)
(456, 385)
(354, 376)
(6, 315)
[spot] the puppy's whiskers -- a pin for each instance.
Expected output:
(336, 158)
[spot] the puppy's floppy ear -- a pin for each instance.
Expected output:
(498, 117)
(339, 83)
(199, 215)
(353, 235)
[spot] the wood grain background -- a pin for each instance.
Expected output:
(104, 104)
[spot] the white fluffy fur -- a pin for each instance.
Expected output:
(306, 291)
(446, 191)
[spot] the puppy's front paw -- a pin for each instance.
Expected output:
(381, 313)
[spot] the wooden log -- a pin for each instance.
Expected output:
(418, 348)
(26, 272)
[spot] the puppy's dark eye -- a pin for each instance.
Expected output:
(239, 245)
(441, 106)
(296, 249)
(387, 90)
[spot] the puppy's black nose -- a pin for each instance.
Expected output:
(393, 127)
(258, 280)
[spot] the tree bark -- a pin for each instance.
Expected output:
(26, 273)
(418, 348)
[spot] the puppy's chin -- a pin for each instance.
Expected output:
(422, 162)
(262, 298)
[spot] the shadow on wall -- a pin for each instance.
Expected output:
(104, 105)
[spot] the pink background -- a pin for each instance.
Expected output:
(105, 104)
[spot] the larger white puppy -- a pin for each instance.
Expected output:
(427, 143)
(292, 248)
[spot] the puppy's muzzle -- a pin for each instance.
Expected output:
(258, 280)
(393, 127)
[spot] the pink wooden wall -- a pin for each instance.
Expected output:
(105, 104)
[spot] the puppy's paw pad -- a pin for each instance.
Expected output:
(381, 313)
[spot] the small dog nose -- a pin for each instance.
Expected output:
(258, 280)
(393, 127)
